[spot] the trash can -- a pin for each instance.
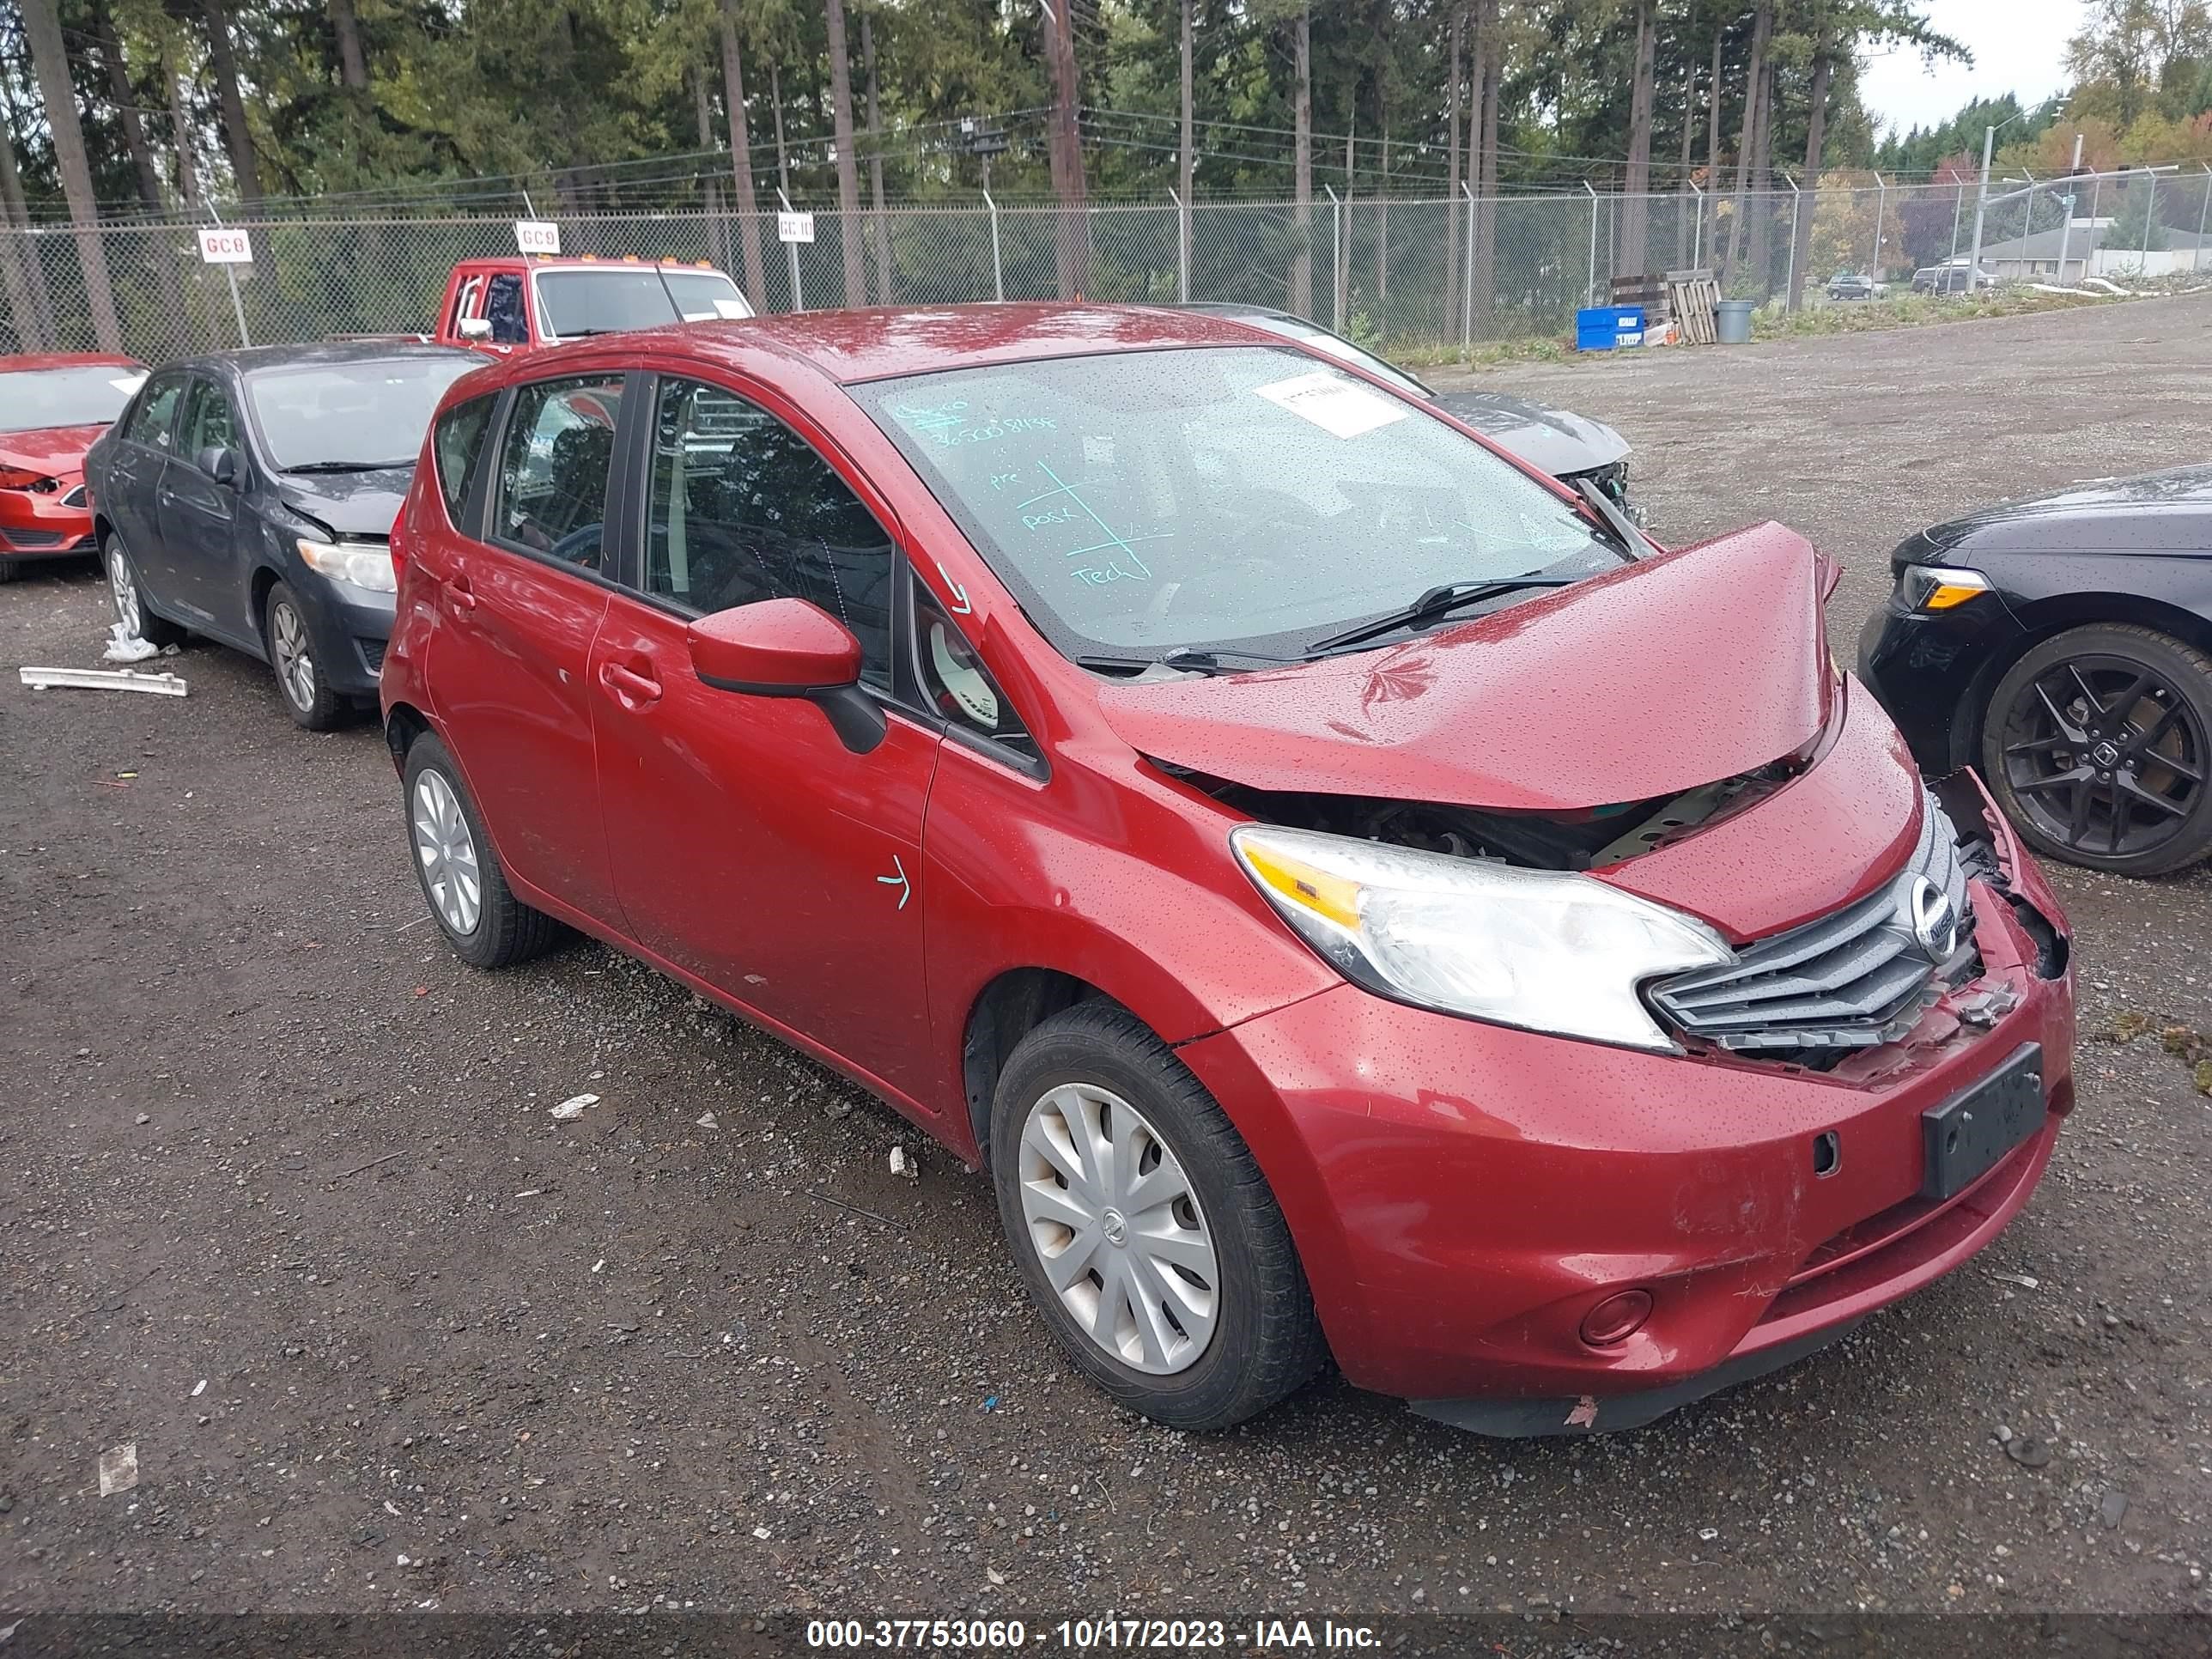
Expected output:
(1732, 322)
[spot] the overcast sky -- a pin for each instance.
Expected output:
(2019, 46)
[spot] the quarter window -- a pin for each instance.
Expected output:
(955, 682)
(554, 464)
(744, 509)
(459, 438)
(150, 422)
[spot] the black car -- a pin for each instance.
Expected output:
(2064, 645)
(1570, 447)
(249, 496)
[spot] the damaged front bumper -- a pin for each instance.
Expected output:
(1465, 1195)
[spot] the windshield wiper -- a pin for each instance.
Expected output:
(348, 466)
(1183, 657)
(1438, 601)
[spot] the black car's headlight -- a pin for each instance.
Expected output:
(1932, 587)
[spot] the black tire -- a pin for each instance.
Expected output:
(1265, 1340)
(300, 683)
(10, 569)
(2098, 746)
(506, 931)
(154, 630)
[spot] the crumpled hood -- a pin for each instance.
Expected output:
(1550, 439)
(350, 503)
(1684, 669)
(55, 451)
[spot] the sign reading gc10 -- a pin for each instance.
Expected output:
(221, 246)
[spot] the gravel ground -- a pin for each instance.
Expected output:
(282, 1206)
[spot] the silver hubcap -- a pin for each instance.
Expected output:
(447, 853)
(295, 666)
(1116, 1226)
(125, 592)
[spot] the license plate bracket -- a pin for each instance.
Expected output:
(1969, 1134)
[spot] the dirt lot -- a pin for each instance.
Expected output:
(281, 1204)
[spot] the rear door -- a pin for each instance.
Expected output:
(139, 455)
(751, 847)
(201, 519)
(508, 663)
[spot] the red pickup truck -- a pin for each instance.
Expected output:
(518, 302)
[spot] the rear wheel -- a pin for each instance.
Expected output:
(128, 596)
(2098, 745)
(1143, 1227)
(487, 926)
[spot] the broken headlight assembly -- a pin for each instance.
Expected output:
(1544, 950)
(1929, 587)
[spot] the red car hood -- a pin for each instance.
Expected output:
(57, 451)
(1681, 670)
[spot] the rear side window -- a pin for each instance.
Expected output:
(553, 468)
(151, 421)
(458, 439)
(743, 509)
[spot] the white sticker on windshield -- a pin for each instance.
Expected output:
(732, 308)
(128, 382)
(1341, 408)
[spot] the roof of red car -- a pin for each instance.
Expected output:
(65, 360)
(880, 343)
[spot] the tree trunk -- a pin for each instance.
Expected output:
(1763, 203)
(1382, 227)
(1071, 246)
(1340, 253)
(1635, 183)
(188, 189)
(1682, 178)
(42, 25)
(1489, 50)
(126, 109)
(1754, 82)
(741, 158)
(1301, 163)
(878, 226)
(849, 170)
(244, 165)
(19, 257)
(718, 226)
(776, 103)
(353, 62)
(1703, 243)
(1451, 174)
(1816, 121)
(1185, 162)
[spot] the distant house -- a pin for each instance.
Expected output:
(2092, 250)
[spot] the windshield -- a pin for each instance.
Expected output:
(366, 414)
(1223, 499)
(619, 298)
(1293, 328)
(31, 400)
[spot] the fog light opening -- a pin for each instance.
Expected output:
(1827, 1152)
(1616, 1319)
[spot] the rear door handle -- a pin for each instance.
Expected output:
(629, 687)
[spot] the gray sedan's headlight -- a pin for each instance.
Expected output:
(1547, 950)
(365, 564)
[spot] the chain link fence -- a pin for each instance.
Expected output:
(1401, 273)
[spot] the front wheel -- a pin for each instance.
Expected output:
(308, 698)
(1143, 1227)
(2097, 744)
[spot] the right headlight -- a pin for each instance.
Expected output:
(1544, 950)
(1939, 587)
(365, 564)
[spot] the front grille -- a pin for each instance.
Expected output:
(27, 539)
(1855, 978)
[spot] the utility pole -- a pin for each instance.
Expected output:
(1185, 157)
(1981, 206)
(2066, 226)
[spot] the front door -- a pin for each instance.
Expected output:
(509, 667)
(199, 517)
(751, 847)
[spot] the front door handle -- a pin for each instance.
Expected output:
(628, 686)
(462, 596)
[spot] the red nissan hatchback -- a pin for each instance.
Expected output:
(1355, 898)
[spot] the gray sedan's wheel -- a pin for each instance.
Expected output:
(307, 698)
(487, 926)
(128, 596)
(1143, 1227)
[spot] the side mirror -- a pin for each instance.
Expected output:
(474, 328)
(789, 648)
(219, 464)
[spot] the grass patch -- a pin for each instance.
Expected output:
(1535, 349)
(1913, 310)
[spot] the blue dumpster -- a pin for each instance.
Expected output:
(1604, 328)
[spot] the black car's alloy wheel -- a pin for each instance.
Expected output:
(2098, 744)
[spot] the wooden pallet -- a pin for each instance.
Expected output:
(1694, 298)
(1649, 292)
